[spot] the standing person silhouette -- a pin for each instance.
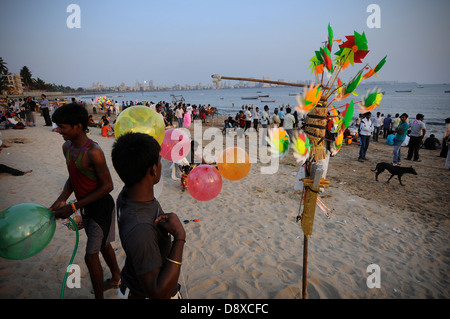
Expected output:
(91, 182)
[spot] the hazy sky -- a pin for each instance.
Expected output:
(185, 41)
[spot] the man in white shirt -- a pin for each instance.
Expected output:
(179, 115)
(377, 125)
(265, 121)
(418, 131)
(248, 118)
(289, 121)
(365, 130)
(256, 119)
(117, 108)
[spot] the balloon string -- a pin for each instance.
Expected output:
(71, 260)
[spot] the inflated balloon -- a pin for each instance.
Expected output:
(25, 230)
(204, 182)
(187, 120)
(176, 145)
(140, 119)
(234, 163)
(279, 142)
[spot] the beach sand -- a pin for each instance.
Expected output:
(247, 243)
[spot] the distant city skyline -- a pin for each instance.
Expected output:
(185, 42)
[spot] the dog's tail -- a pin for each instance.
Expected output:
(373, 170)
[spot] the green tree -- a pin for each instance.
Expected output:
(3, 79)
(25, 73)
(3, 67)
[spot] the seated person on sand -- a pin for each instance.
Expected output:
(107, 130)
(4, 123)
(101, 122)
(91, 122)
(432, 143)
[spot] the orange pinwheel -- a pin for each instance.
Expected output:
(309, 99)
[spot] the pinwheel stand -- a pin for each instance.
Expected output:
(311, 187)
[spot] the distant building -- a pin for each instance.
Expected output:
(15, 85)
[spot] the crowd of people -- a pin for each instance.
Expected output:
(397, 130)
(400, 131)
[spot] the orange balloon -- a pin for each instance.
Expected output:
(234, 163)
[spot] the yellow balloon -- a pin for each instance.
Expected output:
(234, 163)
(140, 119)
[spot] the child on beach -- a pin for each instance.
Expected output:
(107, 130)
(153, 260)
(184, 175)
(91, 182)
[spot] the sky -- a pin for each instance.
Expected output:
(186, 41)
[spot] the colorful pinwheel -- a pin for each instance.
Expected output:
(376, 69)
(370, 101)
(278, 141)
(301, 147)
(309, 99)
(354, 49)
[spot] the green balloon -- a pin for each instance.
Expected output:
(25, 230)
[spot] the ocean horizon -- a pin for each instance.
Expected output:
(411, 98)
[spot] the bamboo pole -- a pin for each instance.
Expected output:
(305, 266)
(308, 219)
(258, 80)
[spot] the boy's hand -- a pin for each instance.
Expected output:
(172, 224)
(63, 212)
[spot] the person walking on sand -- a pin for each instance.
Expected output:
(377, 122)
(265, 121)
(395, 122)
(43, 105)
(418, 131)
(402, 129)
(365, 131)
(91, 182)
(387, 126)
(28, 109)
(153, 260)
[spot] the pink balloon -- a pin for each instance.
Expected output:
(204, 182)
(176, 145)
(187, 120)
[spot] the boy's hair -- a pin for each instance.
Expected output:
(132, 155)
(71, 114)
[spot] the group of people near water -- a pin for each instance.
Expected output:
(400, 131)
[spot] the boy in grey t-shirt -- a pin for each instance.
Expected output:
(153, 261)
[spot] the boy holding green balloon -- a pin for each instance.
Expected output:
(91, 182)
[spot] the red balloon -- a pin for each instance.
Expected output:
(204, 182)
(176, 145)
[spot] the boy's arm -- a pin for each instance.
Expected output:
(58, 206)
(161, 282)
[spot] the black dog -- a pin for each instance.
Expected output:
(394, 170)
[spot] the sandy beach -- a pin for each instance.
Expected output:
(247, 243)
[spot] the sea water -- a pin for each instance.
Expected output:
(428, 99)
